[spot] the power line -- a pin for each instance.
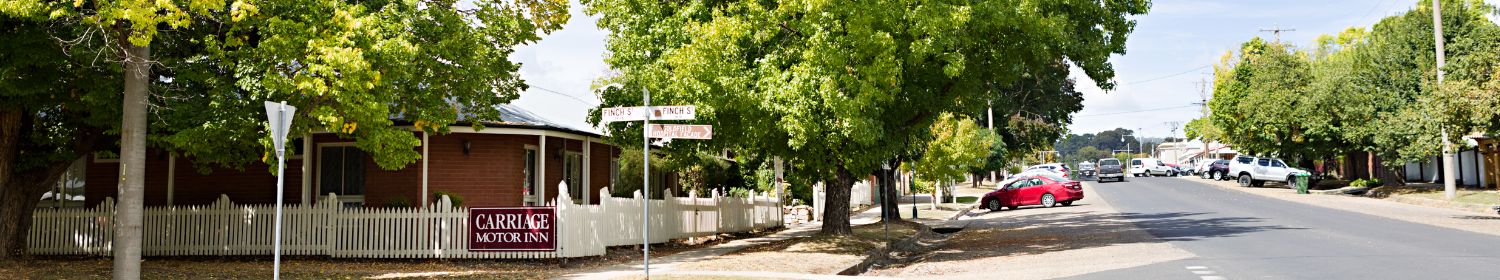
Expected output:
(1136, 111)
(1169, 76)
(585, 102)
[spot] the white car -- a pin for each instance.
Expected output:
(1143, 167)
(1256, 171)
(1060, 169)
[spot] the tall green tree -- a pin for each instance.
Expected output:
(350, 66)
(957, 145)
(841, 87)
(56, 105)
(1262, 100)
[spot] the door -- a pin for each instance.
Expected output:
(1011, 195)
(1278, 170)
(1032, 192)
(1261, 167)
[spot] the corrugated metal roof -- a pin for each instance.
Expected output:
(512, 115)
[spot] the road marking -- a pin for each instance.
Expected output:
(1204, 273)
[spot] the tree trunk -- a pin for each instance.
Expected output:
(20, 200)
(10, 149)
(19, 195)
(836, 204)
(128, 213)
(890, 209)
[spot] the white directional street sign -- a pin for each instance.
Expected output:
(622, 114)
(687, 112)
(682, 131)
(626, 114)
(279, 115)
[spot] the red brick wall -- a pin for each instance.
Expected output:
(490, 175)
(252, 185)
(599, 159)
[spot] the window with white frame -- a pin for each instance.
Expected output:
(528, 186)
(341, 171)
(614, 172)
(573, 175)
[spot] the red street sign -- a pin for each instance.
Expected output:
(513, 229)
(682, 131)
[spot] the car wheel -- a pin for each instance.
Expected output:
(1067, 203)
(1048, 200)
(1245, 180)
(993, 205)
(1289, 181)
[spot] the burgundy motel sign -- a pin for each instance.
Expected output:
(513, 229)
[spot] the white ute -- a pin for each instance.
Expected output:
(1255, 171)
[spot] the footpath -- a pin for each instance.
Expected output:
(1442, 217)
(720, 262)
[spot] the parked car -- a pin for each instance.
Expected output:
(1086, 169)
(1142, 167)
(1201, 167)
(1111, 169)
(1256, 171)
(1177, 170)
(1055, 167)
(1044, 190)
(1215, 169)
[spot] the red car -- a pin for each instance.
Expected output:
(1044, 190)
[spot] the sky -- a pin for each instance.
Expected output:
(1170, 51)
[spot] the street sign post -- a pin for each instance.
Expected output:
(668, 131)
(279, 118)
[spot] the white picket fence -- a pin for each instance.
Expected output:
(436, 231)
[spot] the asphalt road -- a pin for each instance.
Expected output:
(1236, 235)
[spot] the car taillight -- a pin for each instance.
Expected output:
(1075, 185)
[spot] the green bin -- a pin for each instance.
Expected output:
(1300, 182)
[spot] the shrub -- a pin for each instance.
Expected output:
(457, 200)
(398, 202)
(1357, 183)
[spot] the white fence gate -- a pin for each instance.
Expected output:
(436, 231)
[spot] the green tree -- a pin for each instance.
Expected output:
(55, 107)
(957, 144)
(349, 66)
(1261, 103)
(840, 88)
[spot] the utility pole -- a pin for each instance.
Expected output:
(1203, 104)
(1177, 148)
(1450, 187)
(1277, 31)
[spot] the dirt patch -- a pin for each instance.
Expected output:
(817, 254)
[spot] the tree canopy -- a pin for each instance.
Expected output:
(1372, 91)
(840, 87)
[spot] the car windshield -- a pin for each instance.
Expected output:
(1109, 162)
